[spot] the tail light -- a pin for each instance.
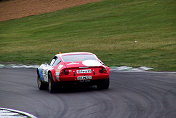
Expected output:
(103, 70)
(64, 72)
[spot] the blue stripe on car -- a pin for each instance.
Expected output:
(40, 74)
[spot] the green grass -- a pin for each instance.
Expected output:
(120, 32)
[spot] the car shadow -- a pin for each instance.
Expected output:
(78, 89)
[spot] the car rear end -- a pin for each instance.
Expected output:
(84, 73)
(85, 76)
(83, 69)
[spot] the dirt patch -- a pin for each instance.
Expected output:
(12, 9)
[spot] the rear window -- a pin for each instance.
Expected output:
(78, 57)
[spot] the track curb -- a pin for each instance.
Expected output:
(112, 69)
(11, 113)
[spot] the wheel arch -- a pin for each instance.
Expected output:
(52, 73)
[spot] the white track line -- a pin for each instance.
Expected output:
(9, 113)
(141, 72)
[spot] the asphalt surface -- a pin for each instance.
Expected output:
(131, 95)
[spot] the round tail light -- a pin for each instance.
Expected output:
(103, 70)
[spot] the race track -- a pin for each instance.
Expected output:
(131, 95)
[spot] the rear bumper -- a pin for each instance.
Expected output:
(74, 78)
(81, 82)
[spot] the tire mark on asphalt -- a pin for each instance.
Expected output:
(153, 100)
(100, 103)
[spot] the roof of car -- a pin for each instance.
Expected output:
(73, 53)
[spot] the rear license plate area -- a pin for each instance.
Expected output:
(84, 71)
(84, 77)
(84, 81)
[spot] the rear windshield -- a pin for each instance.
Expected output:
(78, 57)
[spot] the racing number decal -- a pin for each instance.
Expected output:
(45, 74)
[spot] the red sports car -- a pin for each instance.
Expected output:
(73, 68)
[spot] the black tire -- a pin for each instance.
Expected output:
(41, 85)
(103, 84)
(51, 84)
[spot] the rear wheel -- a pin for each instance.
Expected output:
(41, 85)
(51, 83)
(104, 84)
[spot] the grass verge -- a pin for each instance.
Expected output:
(120, 32)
